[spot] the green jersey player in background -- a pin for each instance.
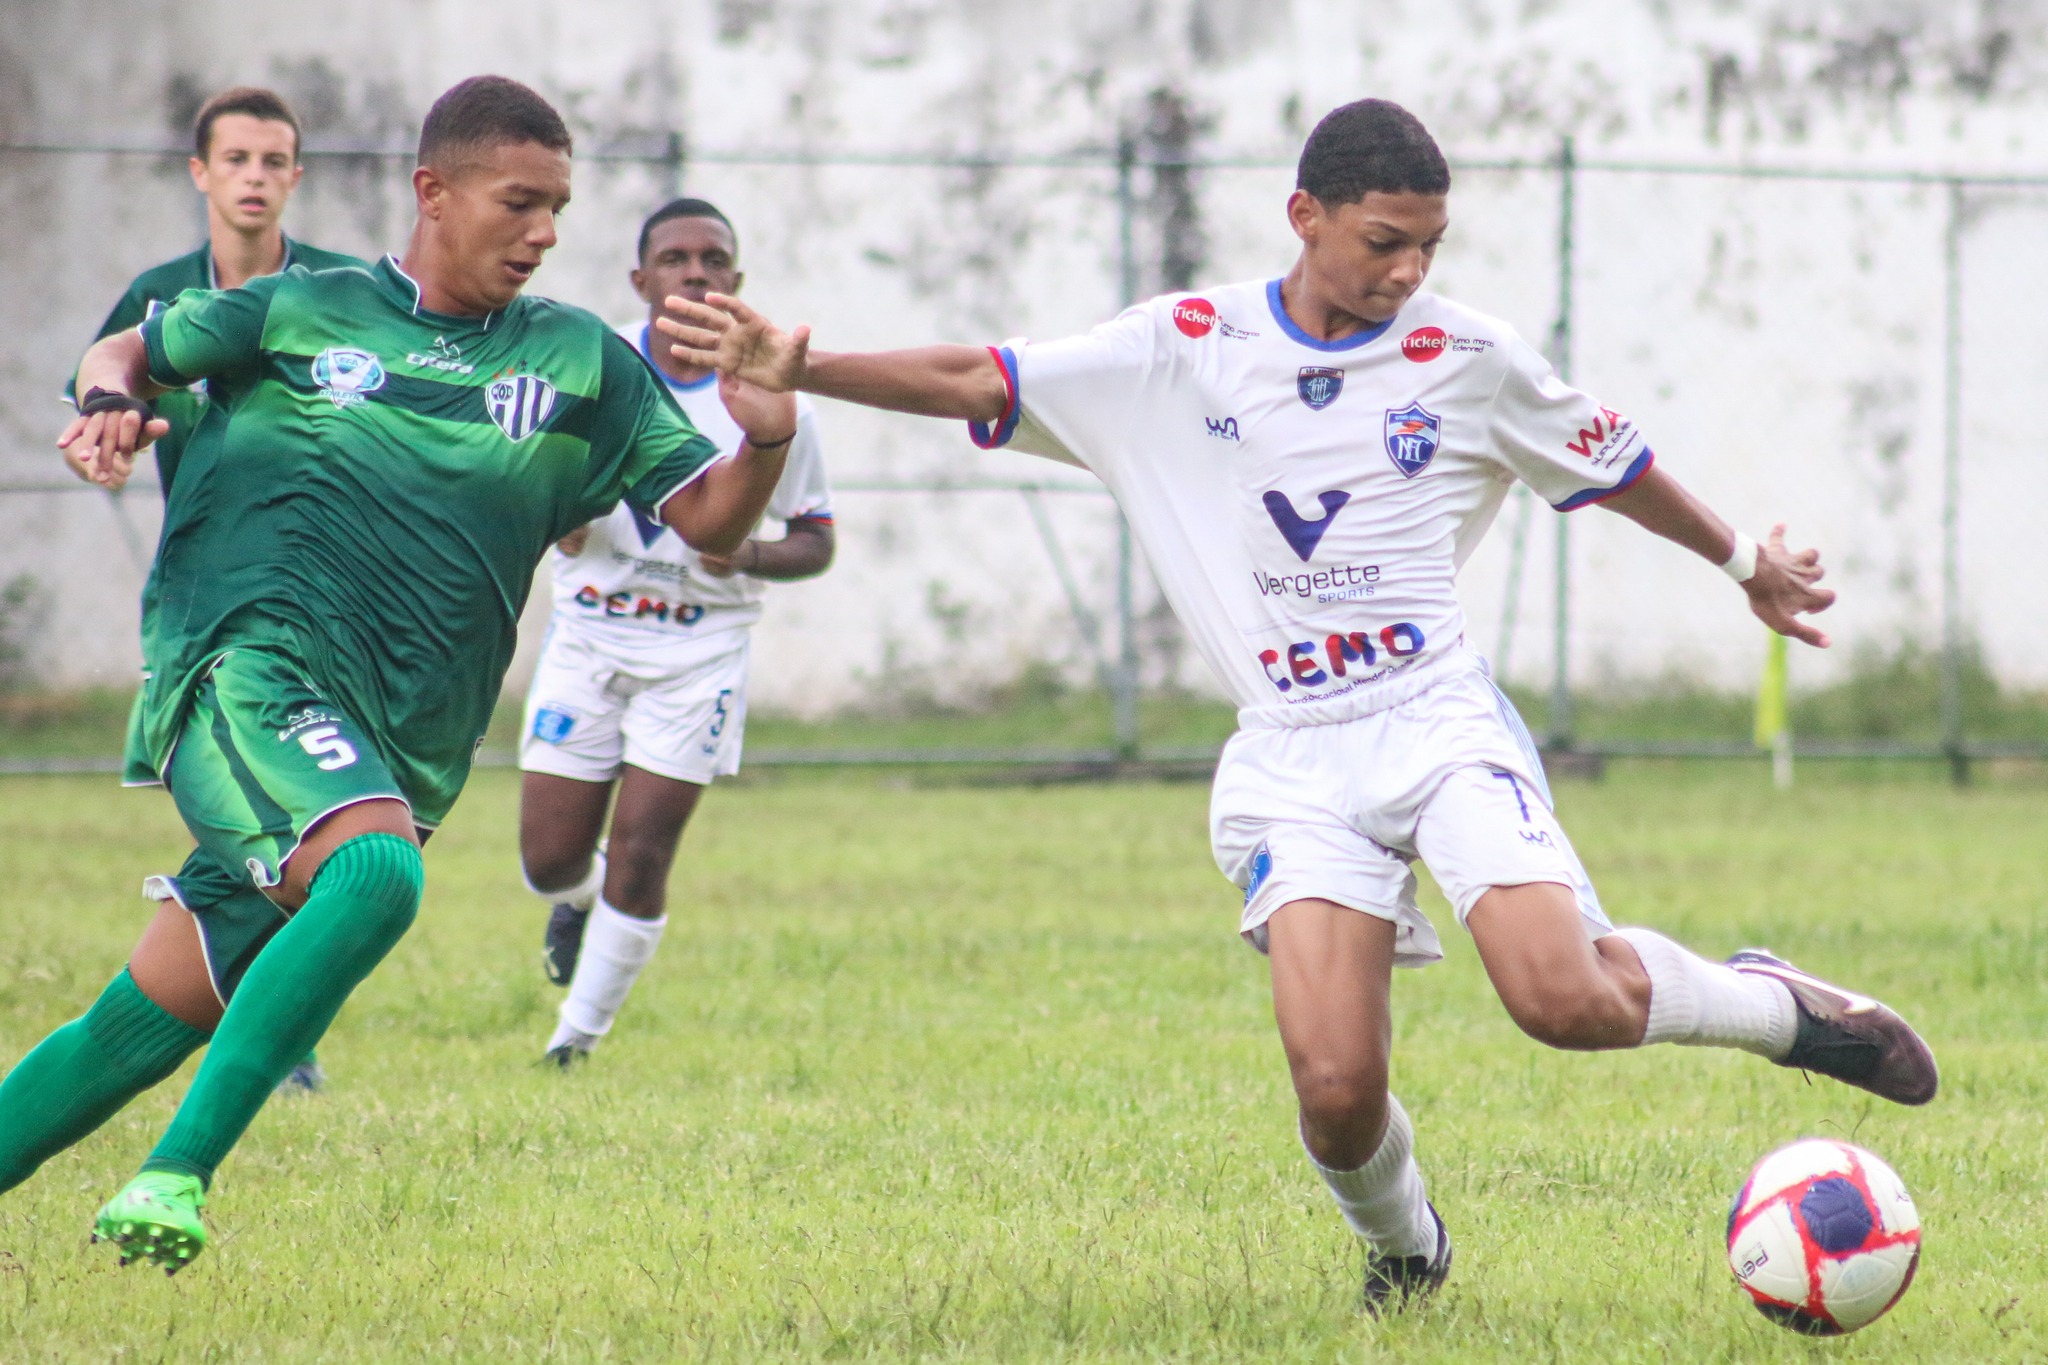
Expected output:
(345, 554)
(245, 161)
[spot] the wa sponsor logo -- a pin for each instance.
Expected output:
(346, 376)
(519, 403)
(1301, 534)
(442, 355)
(1425, 344)
(1603, 442)
(1222, 428)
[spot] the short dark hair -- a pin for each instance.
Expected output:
(489, 111)
(1370, 146)
(684, 208)
(252, 100)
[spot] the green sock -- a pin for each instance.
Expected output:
(80, 1076)
(362, 902)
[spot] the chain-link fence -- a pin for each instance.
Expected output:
(1850, 349)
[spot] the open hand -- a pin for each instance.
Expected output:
(101, 448)
(725, 335)
(1782, 589)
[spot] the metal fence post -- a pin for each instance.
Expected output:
(1561, 729)
(1124, 689)
(674, 159)
(1952, 489)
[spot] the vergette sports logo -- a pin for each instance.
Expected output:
(346, 374)
(519, 403)
(1195, 317)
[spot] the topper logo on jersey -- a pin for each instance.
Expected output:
(443, 355)
(1412, 436)
(345, 375)
(1319, 386)
(519, 403)
(1301, 534)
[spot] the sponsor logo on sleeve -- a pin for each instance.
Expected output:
(1301, 534)
(1425, 344)
(346, 375)
(1196, 318)
(1319, 386)
(1413, 433)
(1603, 442)
(519, 403)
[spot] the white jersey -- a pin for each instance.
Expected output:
(1306, 504)
(636, 585)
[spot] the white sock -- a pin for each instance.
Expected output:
(1699, 1003)
(583, 895)
(616, 946)
(1383, 1200)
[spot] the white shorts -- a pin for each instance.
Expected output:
(1338, 812)
(677, 712)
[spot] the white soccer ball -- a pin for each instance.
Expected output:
(1823, 1237)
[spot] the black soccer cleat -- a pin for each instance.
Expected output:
(1851, 1037)
(566, 1057)
(564, 942)
(1393, 1281)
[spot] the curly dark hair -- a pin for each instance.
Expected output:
(1370, 146)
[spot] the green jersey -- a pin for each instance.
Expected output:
(374, 488)
(156, 287)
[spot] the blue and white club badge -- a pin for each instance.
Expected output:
(1412, 436)
(1319, 386)
(519, 403)
(346, 374)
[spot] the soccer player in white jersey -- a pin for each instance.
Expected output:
(1307, 461)
(642, 684)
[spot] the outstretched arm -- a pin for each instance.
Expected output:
(805, 551)
(100, 443)
(1782, 588)
(726, 335)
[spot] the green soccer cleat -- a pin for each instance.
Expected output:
(155, 1218)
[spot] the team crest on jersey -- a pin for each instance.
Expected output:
(1412, 435)
(346, 374)
(519, 403)
(1319, 385)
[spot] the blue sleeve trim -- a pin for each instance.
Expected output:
(1278, 307)
(1013, 410)
(1635, 471)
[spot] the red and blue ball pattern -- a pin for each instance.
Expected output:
(1823, 1237)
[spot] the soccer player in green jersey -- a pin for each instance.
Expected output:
(345, 554)
(245, 161)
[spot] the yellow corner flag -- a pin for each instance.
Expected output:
(1773, 724)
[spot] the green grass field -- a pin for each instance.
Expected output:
(983, 1073)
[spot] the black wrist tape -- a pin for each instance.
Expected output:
(106, 400)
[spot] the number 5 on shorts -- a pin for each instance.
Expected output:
(325, 743)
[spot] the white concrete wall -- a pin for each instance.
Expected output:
(1780, 340)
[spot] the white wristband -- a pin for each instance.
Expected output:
(1741, 565)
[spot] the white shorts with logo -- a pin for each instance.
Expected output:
(1338, 812)
(678, 711)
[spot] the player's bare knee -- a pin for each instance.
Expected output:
(554, 869)
(1341, 1098)
(1578, 1016)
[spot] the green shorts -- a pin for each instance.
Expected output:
(262, 757)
